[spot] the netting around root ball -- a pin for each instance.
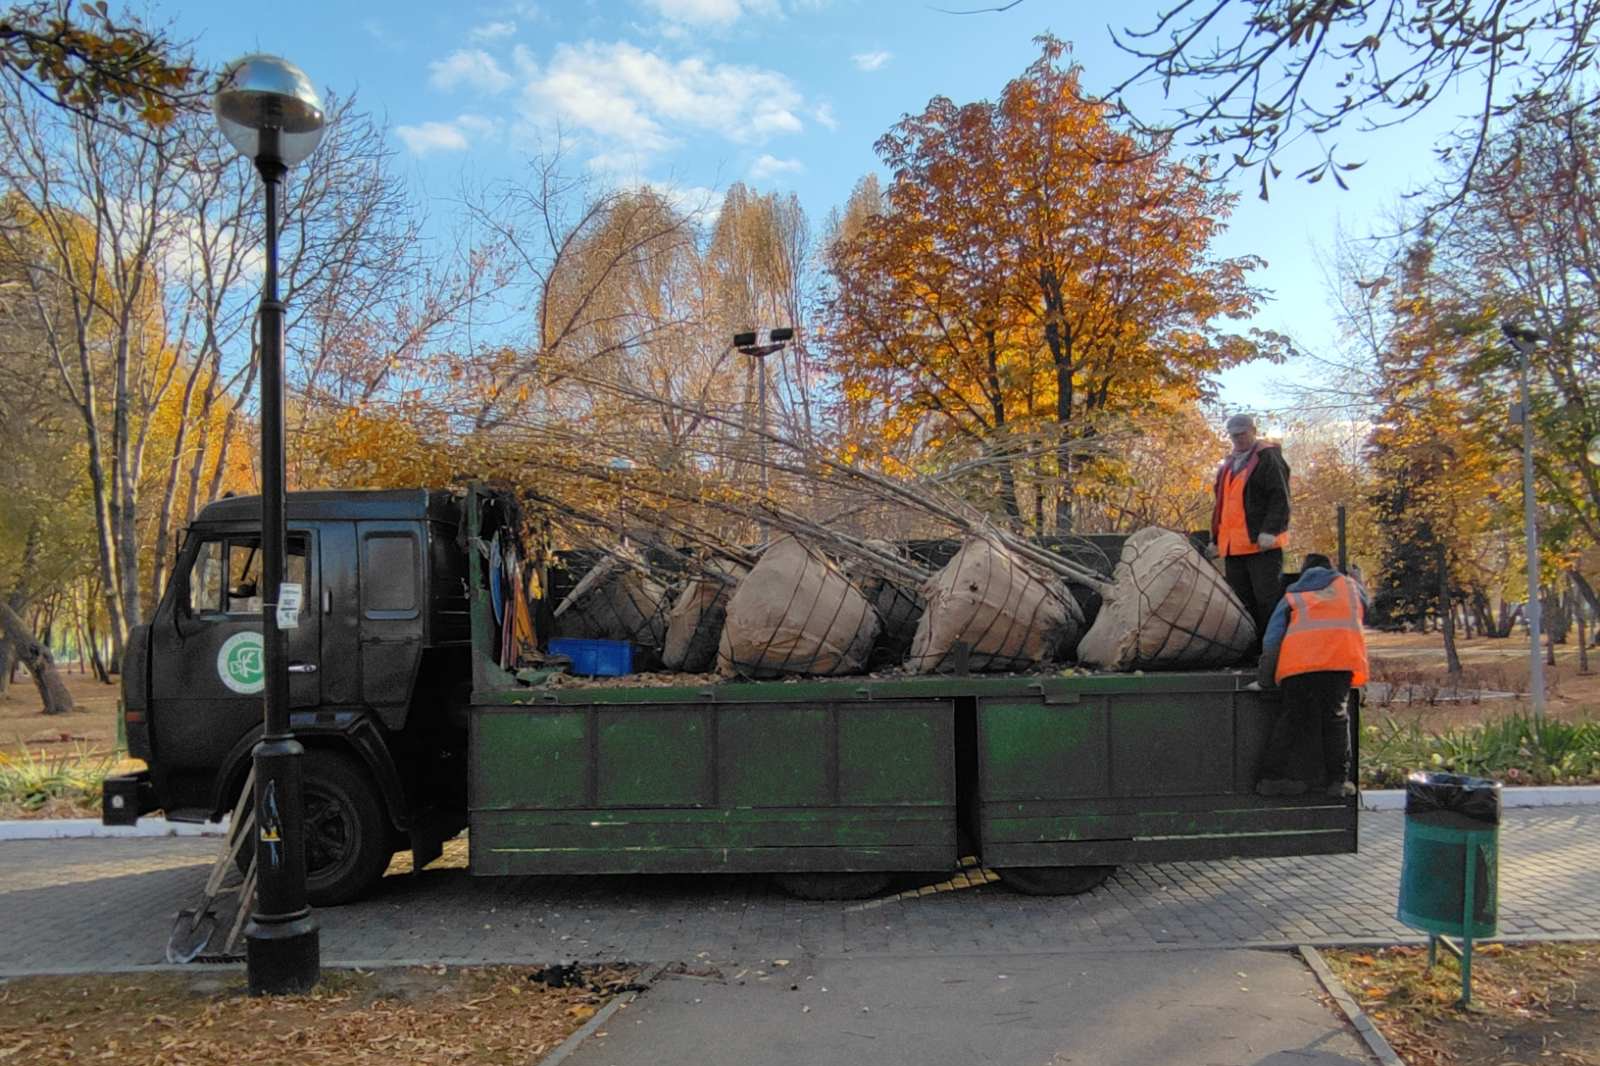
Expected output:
(615, 600)
(795, 613)
(986, 611)
(695, 621)
(1168, 609)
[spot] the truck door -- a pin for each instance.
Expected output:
(207, 666)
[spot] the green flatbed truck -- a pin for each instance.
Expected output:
(413, 732)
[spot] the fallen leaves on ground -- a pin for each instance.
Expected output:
(1530, 1002)
(429, 1016)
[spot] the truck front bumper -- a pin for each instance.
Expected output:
(125, 797)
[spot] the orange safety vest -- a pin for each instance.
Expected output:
(1324, 632)
(1232, 532)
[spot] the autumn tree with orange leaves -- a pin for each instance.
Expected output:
(1036, 282)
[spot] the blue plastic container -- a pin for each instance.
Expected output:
(595, 658)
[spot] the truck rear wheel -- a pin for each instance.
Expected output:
(833, 886)
(346, 832)
(1055, 880)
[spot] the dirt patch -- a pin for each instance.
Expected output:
(1418, 660)
(92, 726)
(1535, 1002)
(428, 1015)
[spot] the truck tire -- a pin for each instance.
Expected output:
(346, 831)
(833, 886)
(1055, 880)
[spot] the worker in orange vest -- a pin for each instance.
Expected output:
(1250, 520)
(1316, 650)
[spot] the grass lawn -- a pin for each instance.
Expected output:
(1531, 1003)
(428, 1015)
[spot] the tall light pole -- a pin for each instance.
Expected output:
(269, 111)
(747, 343)
(1523, 340)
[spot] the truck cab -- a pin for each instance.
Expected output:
(378, 676)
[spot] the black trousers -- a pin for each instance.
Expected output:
(1258, 582)
(1315, 707)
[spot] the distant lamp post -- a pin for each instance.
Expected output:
(1524, 340)
(752, 345)
(269, 111)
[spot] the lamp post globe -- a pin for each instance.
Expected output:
(1593, 450)
(267, 109)
(263, 98)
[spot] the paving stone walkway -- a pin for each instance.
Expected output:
(103, 904)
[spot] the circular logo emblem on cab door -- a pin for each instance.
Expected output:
(241, 665)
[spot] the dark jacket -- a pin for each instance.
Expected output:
(1313, 580)
(1266, 495)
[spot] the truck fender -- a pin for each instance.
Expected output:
(350, 729)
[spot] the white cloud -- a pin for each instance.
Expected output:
(477, 125)
(493, 31)
(871, 60)
(433, 137)
(711, 12)
(473, 68)
(622, 93)
(699, 202)
(770, 166)
(825, 116)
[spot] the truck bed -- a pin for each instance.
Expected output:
(867, 774)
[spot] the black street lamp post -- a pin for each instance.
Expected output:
(268, 110)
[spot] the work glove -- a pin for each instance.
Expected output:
(1211, 550)
(1267, 541)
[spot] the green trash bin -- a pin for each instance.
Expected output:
(1449, 875)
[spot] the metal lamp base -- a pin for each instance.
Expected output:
(283, 957)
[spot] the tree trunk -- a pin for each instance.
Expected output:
(1485, 615)
(1549, 606)
(5, 665)
(1581, 611)
(36, 656)
(1447, 615)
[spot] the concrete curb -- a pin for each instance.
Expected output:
(86, 828)
(1394, 799)
(603, 1015)
(1352, 1010)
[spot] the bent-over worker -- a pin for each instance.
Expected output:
(1316, 650)
(1250, 520)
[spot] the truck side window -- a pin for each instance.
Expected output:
(205, 580)
(389, 574)
(244, 571)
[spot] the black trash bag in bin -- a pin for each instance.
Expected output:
(1456, 801)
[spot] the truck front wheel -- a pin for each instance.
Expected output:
(1055, 880)
(346, 832)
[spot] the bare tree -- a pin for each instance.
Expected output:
(91, 215)
(1271, 73)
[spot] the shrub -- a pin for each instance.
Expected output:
(1507, 749)
(67, 781)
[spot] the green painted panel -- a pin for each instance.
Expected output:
(654, 828)
(1038, 751)
(1167, 746)
(896, 753)
(772, 756)
(653, 757)
(1028, 823)
(684, 841)
(535, 759)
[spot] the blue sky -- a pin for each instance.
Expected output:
(781, 94)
